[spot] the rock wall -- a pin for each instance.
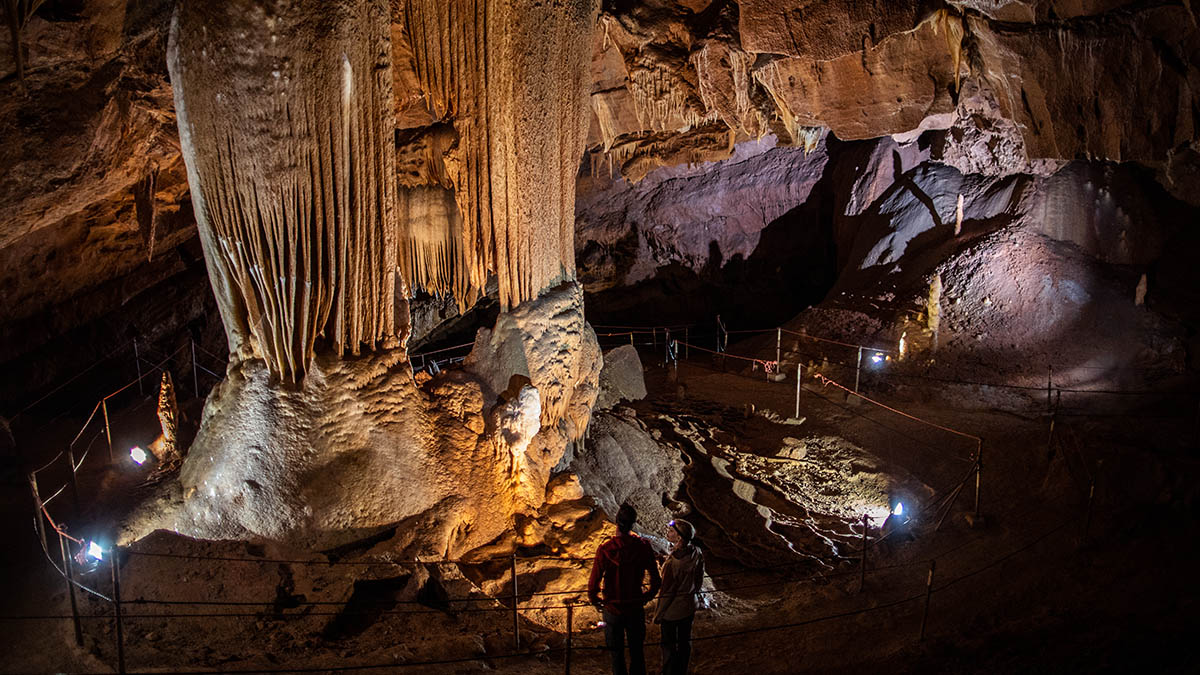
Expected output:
(991, 87)
(359, 446)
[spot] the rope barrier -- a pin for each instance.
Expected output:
(78, 375)
(763, 362)
(836, 342)
(444, 349)
(826, 381)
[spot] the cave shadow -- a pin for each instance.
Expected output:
(793, 266)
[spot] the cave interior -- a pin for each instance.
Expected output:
(336, 333)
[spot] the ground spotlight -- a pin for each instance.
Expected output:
(138, 455)
(94, 551)
(877, 358)
(899, 510)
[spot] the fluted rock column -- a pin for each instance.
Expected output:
(286, 118)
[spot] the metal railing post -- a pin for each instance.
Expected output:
(516, 615)
(799, 379)
(978, 480)
(137, 360)
(37, 509)
(69, 571)
(115, 568)
(928, 592)
(74, 482)
(107, 429)
(862, 574)
(858, 370)
(195, 373)
(1049, 385)
(1087, 516)
(570, 631)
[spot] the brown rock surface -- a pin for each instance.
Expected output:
(1070, 85)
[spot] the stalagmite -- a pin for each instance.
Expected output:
(934, 310)
(512, 75)
(168, 419)
(285, 117)
(958, 216)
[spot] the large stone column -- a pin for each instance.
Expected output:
(319, 431)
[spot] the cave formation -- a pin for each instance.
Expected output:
(432, 287)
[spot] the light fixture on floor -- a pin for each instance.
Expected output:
(138, 455)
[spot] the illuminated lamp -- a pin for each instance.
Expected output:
(138, 455)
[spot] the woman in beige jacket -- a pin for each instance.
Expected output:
(682, 576)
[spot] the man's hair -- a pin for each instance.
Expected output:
(626, 517)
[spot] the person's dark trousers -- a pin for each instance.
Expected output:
(676, 646)
(631, 624)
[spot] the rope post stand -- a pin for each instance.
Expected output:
(666, 346)
(862, 573)
(1050, 438)
(630, 337)
(778, 345)
(137, 360)
(653, 336)
(858, 370)
(37, 509)
(67, 569)
(74, 483)
(978, 480)
(115, 568)
(195, 374)
(1049, 385)
(1087, 515)
(108, 428)
(928, 592)
(570, 622)
(516, 616)
(686, 347)
(799, 379)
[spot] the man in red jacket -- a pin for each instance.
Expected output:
(622, 563)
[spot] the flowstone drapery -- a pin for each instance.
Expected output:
(513, 74)
(319, 431)
(285, 117)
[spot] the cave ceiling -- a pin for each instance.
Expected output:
(93, 194)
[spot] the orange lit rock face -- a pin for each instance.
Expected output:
(358, 445)
(671, 82)
(320, 429)
(821, 31)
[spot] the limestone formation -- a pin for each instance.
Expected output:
(319, 431)
(512, 77)
(358, 447)
(622, 378)
(168, 418)
(284, 111)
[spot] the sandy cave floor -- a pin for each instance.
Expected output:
(1021, 593)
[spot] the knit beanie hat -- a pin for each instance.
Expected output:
(683, 528)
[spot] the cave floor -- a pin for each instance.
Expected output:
(1022, 592)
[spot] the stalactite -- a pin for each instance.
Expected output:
(724, 71)
(952, 26)
(145, 206)
(511, 73)
(286, 120)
